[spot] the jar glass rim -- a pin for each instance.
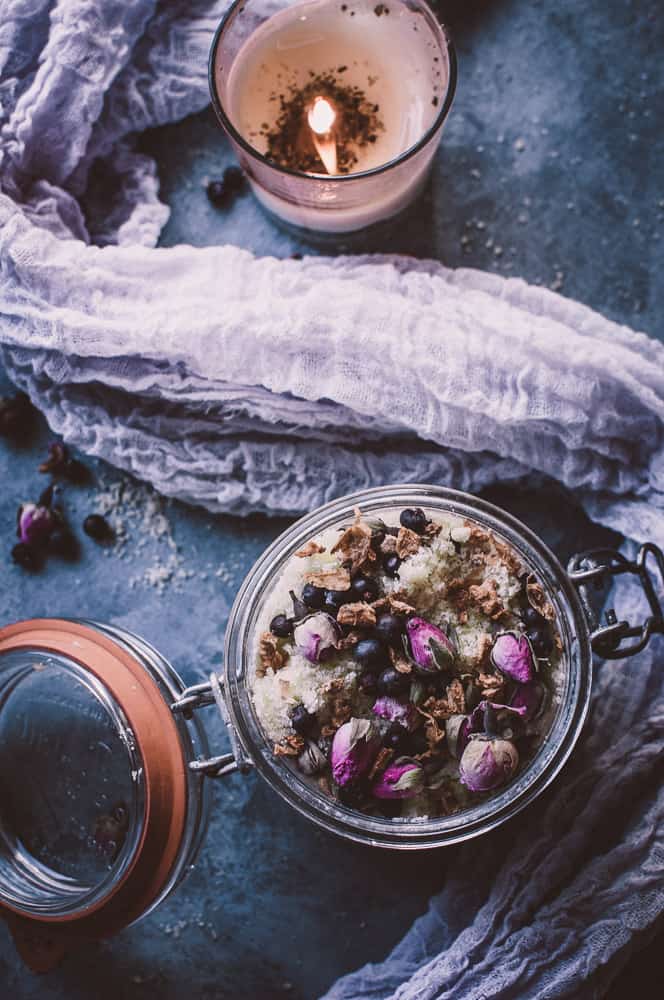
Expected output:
(403, 157)
(416, 833)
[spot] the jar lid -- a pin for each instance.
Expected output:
(93, 787)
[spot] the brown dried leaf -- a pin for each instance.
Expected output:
(356, 615)
(354, 545)
(491, 685)
(398, 606)
(479, 538)
(348, 641)
(508, 557)
(310, 549)
(483, 656)
(388, 545)
(432, 531)
(408, 543)
(384, 757)
(330, 579)
(486, 596)
(291, 746)
(271, 655)
(456, 698)
(400, 663)
(537, 598)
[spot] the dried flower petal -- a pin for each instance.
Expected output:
(354, 545)
(487, 763)
(486, 596)
(396, 711)
(291, 746)
(402, 780)
(430, 647)
(356, 615)
(457, 732)
(354, 749)
(270, 653)
(310, 549)
(408, 543)
(537, 598)
(316, 636)
(337, 578)
(513, 656)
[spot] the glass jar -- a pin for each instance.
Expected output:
(104, 760)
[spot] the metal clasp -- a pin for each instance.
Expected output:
(594, 570)
(201, 696)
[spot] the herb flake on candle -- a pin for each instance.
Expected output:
(357, 124)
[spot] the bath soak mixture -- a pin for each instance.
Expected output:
(407, 665)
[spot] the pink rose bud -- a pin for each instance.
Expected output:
(35, 524)
(430, 647)
(512, 655)
(394, 711)
(487, 763)
(354, 749)
(402, 780)
(316, 637)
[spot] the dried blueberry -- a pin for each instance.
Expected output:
(391, 564)
(27, 557)
(371, 654)
(368, 683)
(302, 721)
(281, 626)
(364, 588)
(397, 738)
(414, 519)
(532, 618)
(392, 682)
(389, 628)
(97, 527)
(540, 640)
(335, 599)
(218, 194)
(313, 597)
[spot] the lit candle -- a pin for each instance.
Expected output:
(321, 118)
(335, 108)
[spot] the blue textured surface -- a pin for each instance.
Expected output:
(550, 169)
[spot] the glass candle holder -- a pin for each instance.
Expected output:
(334, 109)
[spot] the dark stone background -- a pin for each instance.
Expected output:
(551, 169)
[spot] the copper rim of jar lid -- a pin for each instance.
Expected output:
(43, 940)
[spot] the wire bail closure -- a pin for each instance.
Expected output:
(595, 569)
(202, 696)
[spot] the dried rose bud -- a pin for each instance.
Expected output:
(487, 763)
(513, 656)
(527, 700)
(395, 711)
(402, 780)
(35, 523)
(354, 748)
(459, 728)
(430, 647)
(316, 637)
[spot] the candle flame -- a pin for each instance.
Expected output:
(321, 116)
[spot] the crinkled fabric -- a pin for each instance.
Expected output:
(247, 384)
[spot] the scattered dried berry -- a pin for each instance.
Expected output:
(390, 628)
(335, 600)
(98, 528)
(364, 588)
(27, 557)
(63, 543)
(391, 564)
(392, 682)
(221, 192)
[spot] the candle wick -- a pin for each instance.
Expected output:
(321, 119)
